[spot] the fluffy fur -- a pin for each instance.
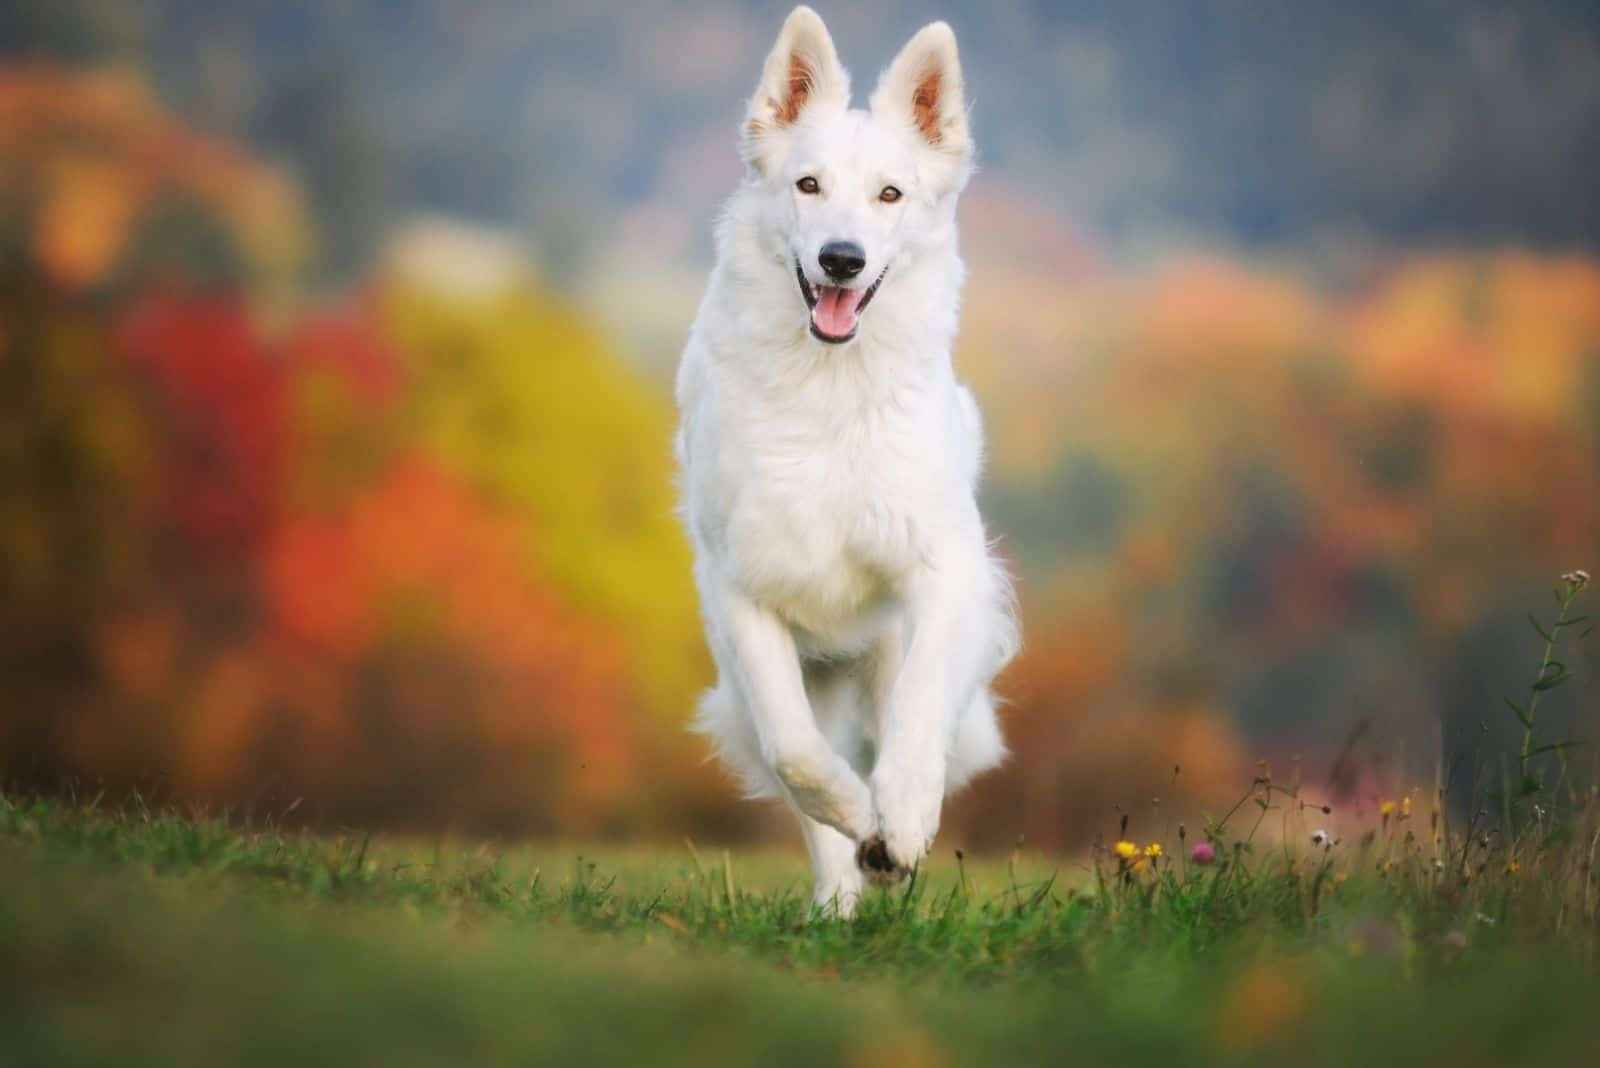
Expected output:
(854, 610)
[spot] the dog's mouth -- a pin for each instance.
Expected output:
(835, 310)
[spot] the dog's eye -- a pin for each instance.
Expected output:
(807, 184)
(890, 194)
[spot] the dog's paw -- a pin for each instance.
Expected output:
(872, 857)
(837, 900)
(908, 818)
(906, 847)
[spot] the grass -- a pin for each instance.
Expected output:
(133, 937)
(129, 936)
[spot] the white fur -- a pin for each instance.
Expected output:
(851, 603)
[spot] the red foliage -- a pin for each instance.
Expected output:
(343, 343)
(219, 408)
(380, 644)
(417, 563)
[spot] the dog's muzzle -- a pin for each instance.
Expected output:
(835, 310)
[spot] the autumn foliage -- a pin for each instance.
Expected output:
(375, 636)
(255, 561)
(409, 556)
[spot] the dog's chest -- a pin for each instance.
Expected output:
(825, 526)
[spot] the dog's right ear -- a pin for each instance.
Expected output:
(801, 76)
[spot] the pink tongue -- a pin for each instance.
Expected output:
(835, 312)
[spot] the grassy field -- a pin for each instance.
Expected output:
(134, 937)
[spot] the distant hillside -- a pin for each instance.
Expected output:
(1264, 124)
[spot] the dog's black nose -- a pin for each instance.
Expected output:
(842, 260)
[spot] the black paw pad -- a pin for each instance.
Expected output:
(872, 857)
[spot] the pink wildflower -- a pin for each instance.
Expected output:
(1203, 853)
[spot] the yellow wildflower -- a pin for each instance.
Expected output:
(1386, 809)
(1126, 850)
(1405, 805)
(1153, 850)
(1513, 867)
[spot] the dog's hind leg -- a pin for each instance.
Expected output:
(977, 745)
(725, 721)
(837, 881)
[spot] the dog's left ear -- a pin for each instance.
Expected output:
(922, 88)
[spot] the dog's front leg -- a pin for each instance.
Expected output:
(918, 716)
(762, 655)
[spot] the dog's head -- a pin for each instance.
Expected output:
(851, 195)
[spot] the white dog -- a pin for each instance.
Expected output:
(829, 462)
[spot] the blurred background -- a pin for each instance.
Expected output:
(336, 343)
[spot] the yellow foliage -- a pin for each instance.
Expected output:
(519, 394)
(1505, 337)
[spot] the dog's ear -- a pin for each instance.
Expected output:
(801, 74)
(922, 89)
